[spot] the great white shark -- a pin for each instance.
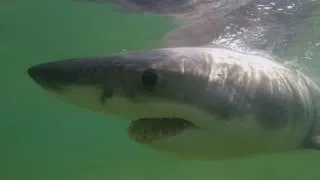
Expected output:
(211, 101)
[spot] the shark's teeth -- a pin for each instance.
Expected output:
(145, 130)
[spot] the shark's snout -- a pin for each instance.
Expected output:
(41, 73)
(52, 75)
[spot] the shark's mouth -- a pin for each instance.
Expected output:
(146, 130)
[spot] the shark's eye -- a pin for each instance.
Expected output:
(150, 78)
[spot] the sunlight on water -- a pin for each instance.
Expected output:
(44, 139)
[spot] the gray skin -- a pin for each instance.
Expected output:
(193, 102)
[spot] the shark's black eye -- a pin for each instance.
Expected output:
(150, 78)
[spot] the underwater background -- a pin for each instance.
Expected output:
(42, 138)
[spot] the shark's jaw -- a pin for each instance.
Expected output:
(150, 120)
(146, 130)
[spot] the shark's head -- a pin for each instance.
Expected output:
(172, 98)
(161, 92)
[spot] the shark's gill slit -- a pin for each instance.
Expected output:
(145, 130)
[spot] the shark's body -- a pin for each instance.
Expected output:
(211, 103)
(206, 102)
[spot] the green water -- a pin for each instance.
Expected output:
(44, 139)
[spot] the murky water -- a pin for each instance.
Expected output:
(43, 139)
